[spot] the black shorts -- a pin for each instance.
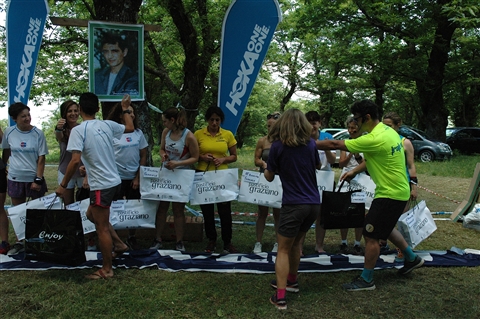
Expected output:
(3, 180)
(296, 218)
(127, 191)
(382, 217)
(104, 197)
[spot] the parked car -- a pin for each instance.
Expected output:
(340, 135)
(464, 139)
(426, 150)
(332, 130)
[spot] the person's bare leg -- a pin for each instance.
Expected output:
(178, 219)
(358, 233)
(372, 251)
(101, 216)
(319, 236)
(397, 239)
(68, 196)
(260, 224)
(161, 219)
(3, 218)
(118, 245)
(294, 254)
(282, 263)
(18, 200)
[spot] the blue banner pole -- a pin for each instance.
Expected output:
(25, 24)
(247, 31)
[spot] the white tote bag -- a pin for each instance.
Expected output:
(325, 181)
(82, 206)
(416, 224)
(18, 214)
(215, 186)
(255, 189)
(133, 213)
(364, 183)
(166, 185)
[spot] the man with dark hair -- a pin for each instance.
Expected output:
(92, 143)
(117, 78)
(385, 160)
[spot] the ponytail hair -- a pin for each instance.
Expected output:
(178, 114)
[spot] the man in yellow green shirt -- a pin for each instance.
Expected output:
(385, 161)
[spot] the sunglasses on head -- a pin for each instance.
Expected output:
(274, 116)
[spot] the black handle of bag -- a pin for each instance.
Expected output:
(52, 203)
(341, 185)
(206, 169)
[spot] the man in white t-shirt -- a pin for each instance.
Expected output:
(92, 143)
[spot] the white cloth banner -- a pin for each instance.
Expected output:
(255, 189)
(362, 182)
(133, 213)
(166, 185)
(18, 214)
(215, 186)
(82, 206)
(325, 181)
(416, 224)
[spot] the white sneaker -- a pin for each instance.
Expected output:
(16, 249)
(275, 248)
(258, 248)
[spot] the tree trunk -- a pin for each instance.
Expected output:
(125, 11)
(430, 90)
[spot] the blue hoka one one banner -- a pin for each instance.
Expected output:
(25, 24)
(247, 31)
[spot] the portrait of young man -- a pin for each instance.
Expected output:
(115, 62)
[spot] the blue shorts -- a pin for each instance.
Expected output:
(22, 189)
(297, 218)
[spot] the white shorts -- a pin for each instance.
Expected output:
(73, 182)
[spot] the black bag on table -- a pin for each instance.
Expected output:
(55, 236)
(339, 212)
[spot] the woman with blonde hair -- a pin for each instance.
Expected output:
(294, 158)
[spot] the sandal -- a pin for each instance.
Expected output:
(97, 275)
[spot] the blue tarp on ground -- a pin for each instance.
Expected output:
(171, 260)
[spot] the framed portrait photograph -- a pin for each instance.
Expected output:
(115, 58)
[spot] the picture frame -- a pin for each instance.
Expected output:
(115, 58)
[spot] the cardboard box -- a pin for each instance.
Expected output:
(192, 231)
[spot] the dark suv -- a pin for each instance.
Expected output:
(464, 139)
(425, 150)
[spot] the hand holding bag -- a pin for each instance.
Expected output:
(342, 209)
(55, 236)
(362, 182)
(416, 224)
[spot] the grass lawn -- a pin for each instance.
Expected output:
(150, 293)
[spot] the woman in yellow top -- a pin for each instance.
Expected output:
(218, 148)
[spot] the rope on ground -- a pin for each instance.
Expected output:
(437, 194)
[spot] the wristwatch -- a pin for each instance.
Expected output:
(127, 111)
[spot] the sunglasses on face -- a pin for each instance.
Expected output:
(274, 116)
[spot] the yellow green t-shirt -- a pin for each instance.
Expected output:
(217, 145)
(385, 159)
